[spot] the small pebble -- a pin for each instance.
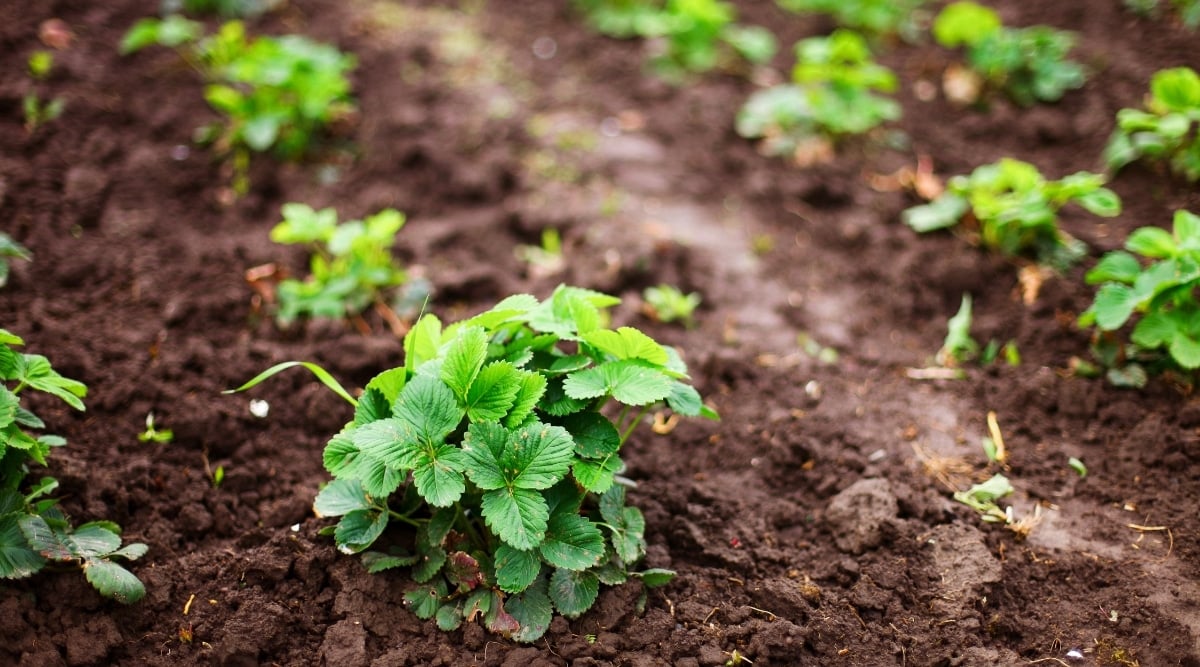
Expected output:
(259, 408)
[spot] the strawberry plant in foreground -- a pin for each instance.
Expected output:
(33, 531)
(493, 447)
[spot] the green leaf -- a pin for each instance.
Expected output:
(597, 475)
(429, 406)
(573, 592)
(321, 374)
(1155, 329)
(425, 600)
(572, 542)
(627, 524)
(1151, 242)
(422, 342)
(532, 611)
(1117, 266)
(132, 551)
(530, 391)
(627, 343)
(438, 475)
(340, 497)
(372, 406)
(93, 540)
(627, 381)
(389, 383)
(1113, 306)
(45, 539)
(1101, 201)
(493, 392)
(595, 436)
(685, 400)
(260, 132)
(113, 581)
(35, 370)
(17, 559)
(515, 568)
(1185, 350)
(656, 577)
(517, 516)
(464, 358)
(941, 213)
(449, 616)
(390, 442)
(359, 529)
(8, 406)
(555, 401)
(377, 561)
(1131, 376)
(534, 456)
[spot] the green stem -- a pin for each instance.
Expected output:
(633, 424)
(464, 524)
(404, 518)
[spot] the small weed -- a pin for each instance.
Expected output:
(153, 434)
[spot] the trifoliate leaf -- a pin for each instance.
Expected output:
(113, 581)
(359, 529)
(532, 387)
(534, 456)
(17, 559)
(517, 516)
(573, 592)
(1113, 306)
(93, 540)
(572, 542)
(627, 343)
(628, 535)
(438, 474)
(429, 406)
(627, 381)
(493, 392)
(532, 611)
(340, 497)
(597, 475)
(463, 360)
(377, 561)
(515, 568)
(595, 436)
(656, 576)
(425, 600)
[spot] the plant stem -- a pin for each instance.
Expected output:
(633, 424)
(403, 518)
(464, 524)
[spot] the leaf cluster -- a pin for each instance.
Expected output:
(668, 303)
(33, 531)
(1016, 209)
(698, 35)
(1029, 64)
(873, 17)
(1168, 129)
(832, 95)
(493, 442)
(1161, 293)
(1189, 10)
(275, 93)
(351, 263)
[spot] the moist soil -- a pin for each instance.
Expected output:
(813, 525)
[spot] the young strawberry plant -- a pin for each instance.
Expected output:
(275, 93)
(1029, 64)
(833, 95)
(496, 447)
(668, 303)
(351, 267)
(1016, 209)
(1161, 293)
(34, 533)
(1169, 128)
(873, 17)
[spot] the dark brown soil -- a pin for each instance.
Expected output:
(807, 527)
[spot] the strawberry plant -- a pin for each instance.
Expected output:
(1189, 10)
(668, 303)
(351, 265)
(833, 95)
(1029, 64)
(1168, 129)
(1016, 209)
(1160, 290)
(33, 531)
(496, 446)
(10, 249)
(875, 17)
(275, 93)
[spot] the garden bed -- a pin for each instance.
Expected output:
(808, 526)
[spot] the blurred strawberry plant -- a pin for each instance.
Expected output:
(351, 265)
(276, 93)
(1029, 64)
(1016, 209)
(494, 446)
(10, 249)
(833, 95)
(1168, 129)
(668, 303)
(1162, 293)
(1189, 10)
(33, 532)
(873, 17)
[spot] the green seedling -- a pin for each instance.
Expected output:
(1162, 296)
(154, 434)
(351, 266)
(34, 532)
(1188, 10)
(218, 476)
(873, 17)
(37, 111)
(1166, 130)
(40, 63)
(983, 496)
(492, 450)
(10, 249)
(275, 93)
(698, 35)
(546, 259)
(1016, 209)
(1029, 64)
(959, 347)
(832, 96)
(1077, 466)
(667, 303)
